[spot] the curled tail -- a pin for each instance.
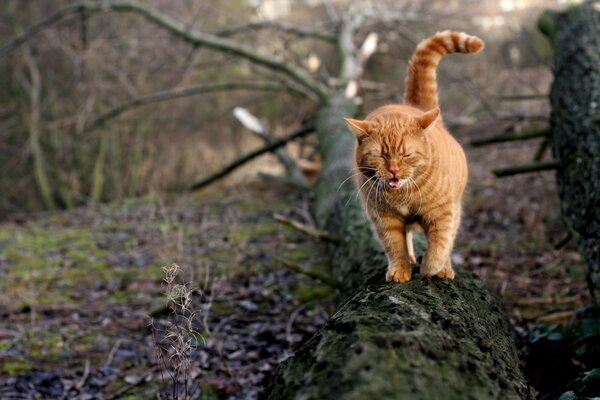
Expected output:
(421, 83)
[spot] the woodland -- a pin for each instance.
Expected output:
(179, 218)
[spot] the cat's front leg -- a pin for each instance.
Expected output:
(391, 231)
(440, 239)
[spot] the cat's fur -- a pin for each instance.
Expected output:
(411, 172)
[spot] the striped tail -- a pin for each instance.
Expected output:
(421, 83)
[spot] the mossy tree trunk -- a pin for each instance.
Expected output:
(575, 122)
(426, 339)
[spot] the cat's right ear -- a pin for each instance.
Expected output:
(359, 128)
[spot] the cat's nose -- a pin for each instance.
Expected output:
(394, 169)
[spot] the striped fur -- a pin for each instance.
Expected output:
(421, 82)
(411, 173)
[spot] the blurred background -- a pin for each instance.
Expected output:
(104, 124)
(54, 88)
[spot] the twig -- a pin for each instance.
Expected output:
(250, 156)
(128, 387)
(306, 229)
(539, 153)
(524, 97)
(548, 300)
(112, 352)
(280, 26)
(324, 278)
(555, 317)
(86, 374)
(563, 241)
(511, 137)
(177, 93)
(290, 323)
(523, 169)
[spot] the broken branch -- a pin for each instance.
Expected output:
(324, 278)
(254, 125)
(307, 229)
(250, 156)
(301, 32)
(523, 169)
(511, 137)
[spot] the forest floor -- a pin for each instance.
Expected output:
(82, 294)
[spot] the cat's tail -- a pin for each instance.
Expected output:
(421, 83)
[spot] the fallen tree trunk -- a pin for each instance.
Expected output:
(426, 339)
(575, 121)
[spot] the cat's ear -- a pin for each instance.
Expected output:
(358, 127)
(429, 119)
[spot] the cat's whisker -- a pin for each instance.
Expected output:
(371, 178)
(360, 189)
(355, 174)
(377, 189)
(420, 195)
(346, 180)
(375, 183)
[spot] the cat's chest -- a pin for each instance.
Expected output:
(399, 206)
(402, 210)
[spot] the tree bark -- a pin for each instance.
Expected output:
(575, 121)
(426, 339)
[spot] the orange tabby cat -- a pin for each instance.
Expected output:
(411, 171)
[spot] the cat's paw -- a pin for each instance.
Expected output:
(446, 273)
(429, 268)
(398, 274)
(412, 260)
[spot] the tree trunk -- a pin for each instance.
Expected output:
(575, 122)
(426, 339)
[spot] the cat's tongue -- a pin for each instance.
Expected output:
(393, 183)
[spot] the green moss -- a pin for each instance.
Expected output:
(221, 308)
(14, 367)
(308, 292)
(242, 233)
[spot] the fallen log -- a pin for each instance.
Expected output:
(426, 339)
(575, 122)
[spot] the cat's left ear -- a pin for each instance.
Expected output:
(429, 119)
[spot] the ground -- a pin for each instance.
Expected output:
(83, 310)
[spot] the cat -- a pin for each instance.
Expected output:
(411, 173)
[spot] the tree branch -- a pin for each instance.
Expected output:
(250, 156)
(255, 126)
(280, 26)
(523, 169)
(524, 97)
(177, 93)
(323, 278)
(180, 30)
(511, 137)
(307, 229)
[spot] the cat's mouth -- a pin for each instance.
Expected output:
(395, 183)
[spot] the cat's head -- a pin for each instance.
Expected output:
(392, 146)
